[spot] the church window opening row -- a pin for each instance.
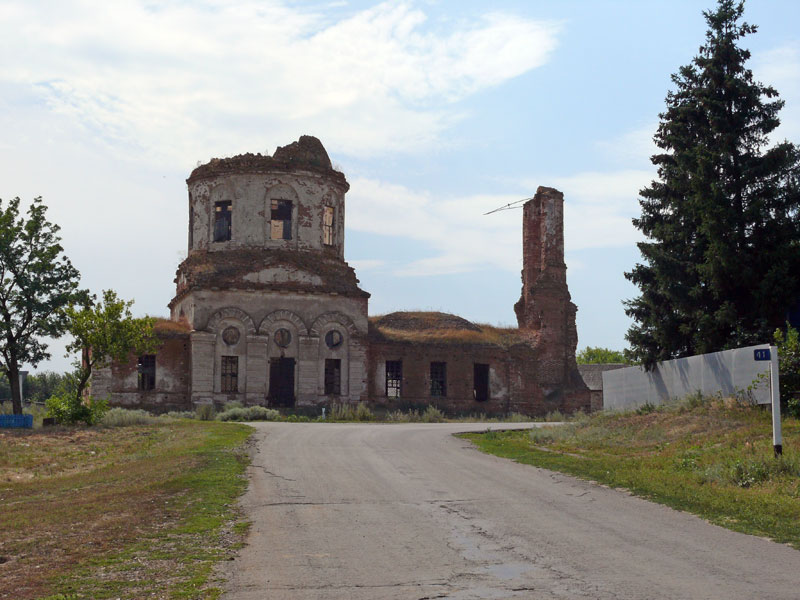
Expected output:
(480, 389)
(146, 372)
(333, 339)
(438, 380)
(280, 226)
(394, 378)
(222, 221)
(327, 226)
(281, 220)
(230, 374)
(333, 376)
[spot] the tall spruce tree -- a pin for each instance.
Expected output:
(721, 264)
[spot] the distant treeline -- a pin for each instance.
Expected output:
(37, 387)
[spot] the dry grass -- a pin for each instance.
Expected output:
(431, 329)
(167, 326)
(69, 496)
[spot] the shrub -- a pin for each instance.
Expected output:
(555, 416)
(552, 433)
(65, 408)
(293, 418)
(179, 414)
(645, 409)
(789, 365)
(516, 417)
(398, 416)
(432, 415)
(123, 417)
(250, 413)
(205, 412)
(341, 412)
(363, 413)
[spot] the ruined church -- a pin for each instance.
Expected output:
(268, 312)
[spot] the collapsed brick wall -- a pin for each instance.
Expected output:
(120, 381)
(513, 384)
(545, 305)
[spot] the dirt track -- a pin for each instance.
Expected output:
(409, 512)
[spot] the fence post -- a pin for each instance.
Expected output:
(775, 389)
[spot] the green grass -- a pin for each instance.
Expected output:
(713, 458)
(142, 511)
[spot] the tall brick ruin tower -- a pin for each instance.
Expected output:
(545, 307)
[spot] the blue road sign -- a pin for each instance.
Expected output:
(762, 354)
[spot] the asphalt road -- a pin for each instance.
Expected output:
(408, 511)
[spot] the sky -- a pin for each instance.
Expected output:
(437, 111)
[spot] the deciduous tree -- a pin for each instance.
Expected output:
(597, 355)
(37, 282)
(103, 332)
(721, 266)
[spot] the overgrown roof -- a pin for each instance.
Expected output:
(307, 153)
(227, 270)
(442, 328)
(165, 328)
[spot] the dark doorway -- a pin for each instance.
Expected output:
(481, 387)
(333, 376)
(281, 382)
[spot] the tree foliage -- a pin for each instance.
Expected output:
(102, 332)
(37, 281)
(38, 387)
(596, 355)
(788, 344)
(721, 264)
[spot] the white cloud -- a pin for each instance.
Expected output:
(367, 264)
(632, 148)
(177, 82)
(598, 209)
(780, 68)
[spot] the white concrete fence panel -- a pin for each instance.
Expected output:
(729, 373)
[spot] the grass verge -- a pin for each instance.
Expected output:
(713, 458)
(142, 511)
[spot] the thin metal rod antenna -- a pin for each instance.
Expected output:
(508, 206)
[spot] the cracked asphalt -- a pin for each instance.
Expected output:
(407, 511)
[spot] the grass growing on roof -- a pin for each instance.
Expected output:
(711, 457)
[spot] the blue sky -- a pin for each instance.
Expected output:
(436, 111)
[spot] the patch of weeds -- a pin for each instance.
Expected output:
(251, 413)
(124, 417)
(350, 412)
(645, 409)
(555, 416)
(179, 414)
(128, 512)
(516, 417)
(432, 415)
(293, 418)
(205, 412)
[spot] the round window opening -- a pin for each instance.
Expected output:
(283, 338)
(230, 336)
(333, 339)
